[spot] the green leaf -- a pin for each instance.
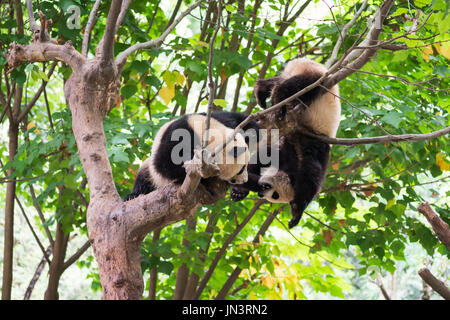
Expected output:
(221, 103)
(165, 267)
(128, 90)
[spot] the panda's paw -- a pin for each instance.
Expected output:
(296, 215)
(238, 194)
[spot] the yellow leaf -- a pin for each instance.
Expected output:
(268, 282)
(442, 163)
(202, 44)
(31, 125)
(180, 78)
(390, 204)
(443, 50)
(426, 52)
(335, 165)
(168, 78)
(118, 101)
(167, 94)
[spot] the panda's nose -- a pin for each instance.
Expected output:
(275, 195)
(233, 180)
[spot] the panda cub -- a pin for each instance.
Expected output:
(303, 160)
(175, 142)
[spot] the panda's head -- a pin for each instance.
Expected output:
(234, 162)
(276, 186)
(233, 159)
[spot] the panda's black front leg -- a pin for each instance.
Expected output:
(306, 185)
(298, 206)
(239, 192)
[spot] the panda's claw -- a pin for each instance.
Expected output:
(238, 194)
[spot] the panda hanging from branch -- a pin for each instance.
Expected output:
(303, 160)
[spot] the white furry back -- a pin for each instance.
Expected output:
(324, 114)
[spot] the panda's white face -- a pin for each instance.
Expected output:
(276, 186)
(234, 158)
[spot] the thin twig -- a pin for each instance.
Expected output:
(224, 247)
(33, 101)
(122, 57)
(340, 40)
(33, 24)
(32, 230)
(75, 256)
(123, 11)
(211, 83)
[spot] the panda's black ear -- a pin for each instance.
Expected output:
(263, 89)
(237, 151)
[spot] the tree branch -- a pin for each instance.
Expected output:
(343, 33)
(183, 270)
(362, 56)
(435, 283)
(33, 25)
(374, 32)
(33, 101)
(36, 275)
(153, 272)
(211, 83)
(107, 52)
(235, 274)
(75, 256)
(89, 26)
(380, 139)
(439, 226)
(123, 11)
(224, 247)
(43, 52)
(122, 57)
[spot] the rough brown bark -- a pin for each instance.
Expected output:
(115, 228)
(435, 283)
(439, 226)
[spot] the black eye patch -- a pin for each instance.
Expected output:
(237, 151)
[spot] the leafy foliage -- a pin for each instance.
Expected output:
(366, 211)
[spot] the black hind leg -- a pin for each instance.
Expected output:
(142, 185)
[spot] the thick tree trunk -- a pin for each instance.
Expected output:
(116, 228)
(89, 95)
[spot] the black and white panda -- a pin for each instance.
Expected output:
(303, 160)
(176, 140)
